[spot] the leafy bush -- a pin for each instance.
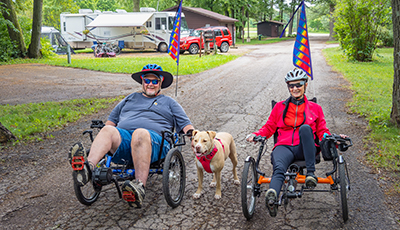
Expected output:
(357, 26)
(7, 48)
(386, 38)
(46, 49)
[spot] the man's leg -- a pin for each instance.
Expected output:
(141, 149)
(108, 139)
(141, 154)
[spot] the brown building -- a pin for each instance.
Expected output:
(199, 17)
(270, 28)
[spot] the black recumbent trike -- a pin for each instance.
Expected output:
(337, 178)
(172, 168)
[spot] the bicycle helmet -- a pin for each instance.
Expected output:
(296, 74)
(155, 69)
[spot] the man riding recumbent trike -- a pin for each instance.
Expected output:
(135, 142)
(297, 125)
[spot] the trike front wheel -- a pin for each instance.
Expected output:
(174, 177)
(86, 194)
(248, 188)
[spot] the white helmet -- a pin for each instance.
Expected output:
(296, 74)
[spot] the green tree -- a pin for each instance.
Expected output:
(318, 17)
(395, 113)
(53, 8)
(14, 29)
(358, 26)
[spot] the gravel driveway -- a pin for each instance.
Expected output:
(35, 179)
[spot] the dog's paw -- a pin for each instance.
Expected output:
(213, 184)
(217, 197)
(196, 196)
(236, 182)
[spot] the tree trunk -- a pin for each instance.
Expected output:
(272, 10)
(395, 114)
(136, 5)
(331, 22)
(6, 135)
(291, 24)
(15, 35)
(34, 47)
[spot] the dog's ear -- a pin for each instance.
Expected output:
(194, 132)
(212, 134)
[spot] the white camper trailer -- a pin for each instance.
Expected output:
(146, 29)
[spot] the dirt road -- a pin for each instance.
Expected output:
(36, 186)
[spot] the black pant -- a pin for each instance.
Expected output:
(284, 155)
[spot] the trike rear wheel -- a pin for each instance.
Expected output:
(86, 194)
(248, 187)
(343, 187)
(174, 178)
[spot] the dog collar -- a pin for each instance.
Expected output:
(206, 160)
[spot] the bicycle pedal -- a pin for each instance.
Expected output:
(128, 196)
(77, 163)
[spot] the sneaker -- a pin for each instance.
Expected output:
(270, 201)
(133, 193)
(311, 181)
(77, 159)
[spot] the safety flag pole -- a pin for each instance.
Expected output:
(301, 49)
(173, 49)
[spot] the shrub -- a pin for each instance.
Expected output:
(357, 26)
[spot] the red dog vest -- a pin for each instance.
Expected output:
(206, 160)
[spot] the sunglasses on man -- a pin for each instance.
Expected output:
(297, 85)
(147, 81)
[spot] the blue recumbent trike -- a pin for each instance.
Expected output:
(172, 168)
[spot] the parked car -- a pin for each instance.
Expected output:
(191, 43)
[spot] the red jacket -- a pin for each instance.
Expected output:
(289, 135)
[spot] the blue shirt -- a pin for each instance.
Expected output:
(157, 114)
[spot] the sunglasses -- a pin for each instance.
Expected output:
(297, 85)
(147, 81)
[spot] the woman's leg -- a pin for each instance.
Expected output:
(281, 158)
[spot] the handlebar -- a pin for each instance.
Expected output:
(342, 142)
(97, 124)
(259, 139)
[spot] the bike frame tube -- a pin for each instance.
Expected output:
(301, 179)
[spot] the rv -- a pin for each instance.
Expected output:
(146, 29)
(56, 40)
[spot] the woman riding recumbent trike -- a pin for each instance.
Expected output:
(337, 178)
(172, 169)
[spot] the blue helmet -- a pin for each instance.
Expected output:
(155, 69)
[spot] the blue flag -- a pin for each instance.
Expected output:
(173, 49)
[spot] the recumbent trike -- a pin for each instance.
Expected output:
(338, 178)
(172, 168)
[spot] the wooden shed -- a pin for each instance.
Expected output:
(270, 28)
(199, 17)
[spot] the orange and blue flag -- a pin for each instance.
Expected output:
(173, 49)
(301, 50)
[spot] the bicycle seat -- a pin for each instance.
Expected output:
(299, 166)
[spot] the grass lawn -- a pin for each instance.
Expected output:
(372, 83)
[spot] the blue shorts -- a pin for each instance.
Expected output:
(123, 155)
